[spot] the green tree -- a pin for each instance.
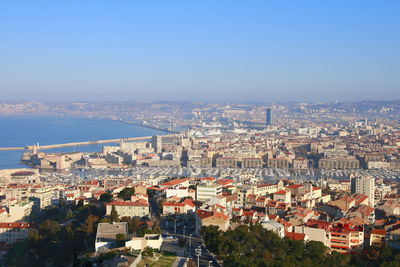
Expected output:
(105, 220)
(126, 193)
(89, 224)
(255, 246)
(156, 228)
(80, 203)
(106, 197)
(147, 252)
(120, 239)
(113, 214)
(49, 228)
(69, 214)
(62, 201)
(33, 237)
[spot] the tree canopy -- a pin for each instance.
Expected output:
(106, 197)
(113, 214)
(126, 193)
(255, 246)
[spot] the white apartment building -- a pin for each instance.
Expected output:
(205, 192)
(178, 192)
(364, 185)
(43, 195)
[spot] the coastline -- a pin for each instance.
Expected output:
(23, 130)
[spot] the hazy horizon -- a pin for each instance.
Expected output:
(255, 102)
(208, 51)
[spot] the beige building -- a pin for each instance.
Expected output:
(345, 203)
(129, 208)
(153, 241)
(19, 211)
(278, 163)
(377, 237)
(252, 163)
(178, 208)
(282, 196)
(226, 163)
(201, 162)
(266, 189)
(339, 164)
(207, 218)
(299, 164)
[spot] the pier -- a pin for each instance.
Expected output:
(85, 143)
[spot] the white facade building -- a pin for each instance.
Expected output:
(364, 185)
(205, 192)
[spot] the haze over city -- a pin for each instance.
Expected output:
(200, 50)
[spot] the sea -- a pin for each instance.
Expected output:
(21, 131)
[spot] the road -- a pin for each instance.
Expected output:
(183, 230)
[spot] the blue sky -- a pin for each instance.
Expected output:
(200, 50)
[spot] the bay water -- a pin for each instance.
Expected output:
(21, 131)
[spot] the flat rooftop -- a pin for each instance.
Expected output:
(108, 231)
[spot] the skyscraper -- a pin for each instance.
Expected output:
(269, 117)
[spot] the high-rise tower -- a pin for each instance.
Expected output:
(269, 117)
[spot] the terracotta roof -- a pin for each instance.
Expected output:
(251, 196)
(208, 178)
(203, 213)
(189, 202)
(378, 232)
(347, 199)
(318, 224)
(283, 222)
(360, 199)
(273, 217)
(182, 204)
(295, 186)
(219, 215)
(175, 182)
(15, 225)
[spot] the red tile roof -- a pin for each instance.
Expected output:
(295, 186)
(203, 213)
(360, 199)
(378, 232)
(175, 182)
(15, 225)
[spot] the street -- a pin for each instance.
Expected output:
(185, 242)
